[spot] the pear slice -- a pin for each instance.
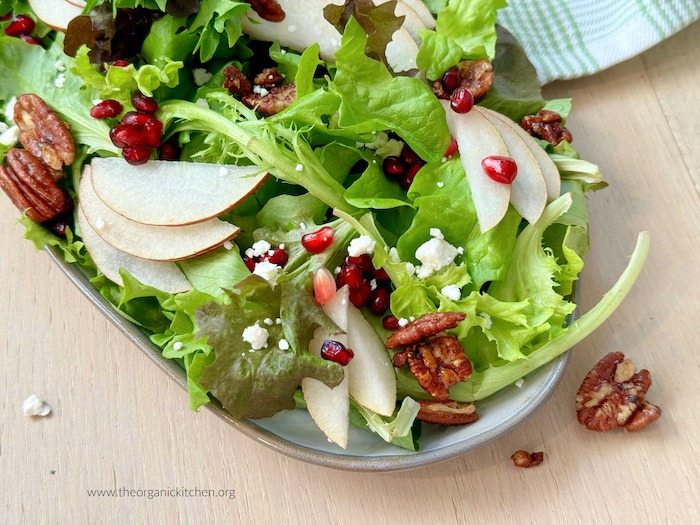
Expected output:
(477, 139)
(158, 243)
(170, 193)
(304, 24)
(419, 8)
(56, 14)
(411, 22)
(528, 192)
(337, 308)
(549, 170)
(163, 275)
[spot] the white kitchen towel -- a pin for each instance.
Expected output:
(572, 38)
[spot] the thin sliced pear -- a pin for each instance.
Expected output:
(549, 169)
(477, 139)
(56, 14)
(328, 407)
(418, 7)
(412, 22)
(528, 192)
(170, 193)
(372, 376)
(304, 24)
(337, 308)
(158, 243)
(163, 275)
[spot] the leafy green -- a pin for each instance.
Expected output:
(396, 431)
(168, 38)
(216, 19)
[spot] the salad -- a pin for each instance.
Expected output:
(364, 209)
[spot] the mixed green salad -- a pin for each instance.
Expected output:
(326, 155)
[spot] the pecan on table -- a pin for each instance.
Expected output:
(448, 413)
(474, 75)
(236, 82)
(613, 395)
(525, 459)
(44, 134)
(546, 125)
(268, 78)
(279, 98)
(29, 184)
(269, 10)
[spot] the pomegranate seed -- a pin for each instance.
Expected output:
(393, 167)
(461, 100)
(124, 136)
(136, 155)
(379, 301)
(351, 275)
(450, 80)
(29, 39)
(250, 263)
(120, 63)
(381, 275)
(5, 17)
(452, 148)
(143, 103)
(363, 262)
(336, 352)
(407, 179)
(359, 297)
(278, 257)
(106, 109)
(324, 286)
(20, 25)
(409, 157)
(390, 322)
(135, 119)
(167, 152)
(500, 169)
(318, 241)
(153, 132)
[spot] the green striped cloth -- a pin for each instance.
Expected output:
(572, 38)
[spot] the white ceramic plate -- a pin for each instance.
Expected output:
(294, 434)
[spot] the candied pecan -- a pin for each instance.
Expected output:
(612, 394)
(547, 126)
(437, 363)
(449, 413)
(474, 75)
(44, 134)
(269, 10)
(30, 186)
(524, 459)
(236, 82)
(268, 78)
(279, 98)
(425, 326)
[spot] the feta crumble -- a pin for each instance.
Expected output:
(249, 253)
(519, 383)
(299, 167)
(360, 246)
(302, 225)
(403, 322)
(373, 284)
(436, 233)
(256, 336)
(283, 344)
(260, 248)
(60, 81)
(440, 184)
(177, 346)
(268, 321)
(278, 321)
(268, 271)
(228, 245)
(202, 102)
(201, 76)
(434, 255)
(487, 320)
(452, 292)
(60, 65)
(33, 406)
(411, 269)
(259, 90)
(394, 255)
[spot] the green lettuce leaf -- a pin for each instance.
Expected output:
(217, 19)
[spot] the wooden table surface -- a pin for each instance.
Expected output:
(119, 422)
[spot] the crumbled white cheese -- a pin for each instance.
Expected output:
(60, 65)
(99, 223)
(451, 291)
(435, 254)
(283, 344)
(373, 284)
(440, 184)
(360, 246)
(411, 318)
(33, 406)
(223, 171)
(278, 321)
(256, 336)
(519, 383)
(403, 322)
(336, 270)
(411, 269)
(97, 101)
(178, 345)
(302, 225)
(10, 136)
(299, 167)
(10, 109)
(268, 321)
(228, 245)
(259, 90)
(394, 255)
(392, 148)
(460, 250)
(271, 252)
(201, 76)
(443, 159)
(436, 233)
(283, 51)
(268, 271)
(487, 320)
(60, 80)
(260, 248)
(282, 246)
(249, 253)
(202, 102)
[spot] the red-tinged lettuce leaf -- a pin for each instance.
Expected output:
(260, 383)
(379, 23)
(182, 8)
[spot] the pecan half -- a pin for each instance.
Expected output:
(269, 10)
(268, 78)
(236, 82)
(449, 413)
(425, 326)
(474, 75)
(546, 125)
(612, 395)
(437, 363)
(525, 459)
(44, 134)
(279, 98)
(30, 186)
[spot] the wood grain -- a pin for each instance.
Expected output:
(119, 422)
